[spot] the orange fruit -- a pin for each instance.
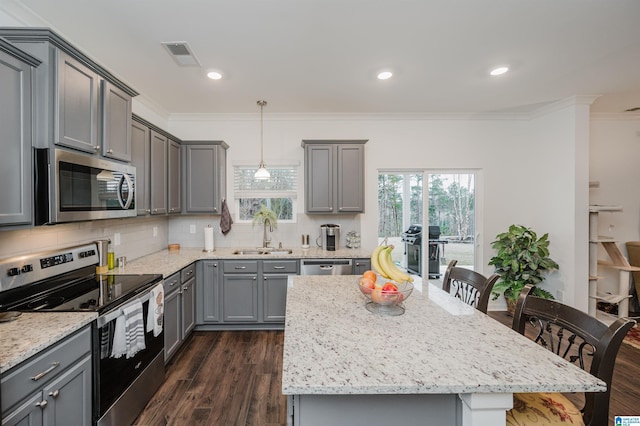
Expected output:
(371, 275)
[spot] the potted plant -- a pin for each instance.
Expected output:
(265, 214)
(521, 258)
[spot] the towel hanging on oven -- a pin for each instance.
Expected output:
(128, 337)
(156, 310)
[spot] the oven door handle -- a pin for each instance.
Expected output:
(111, 315)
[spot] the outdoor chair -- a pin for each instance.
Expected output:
(469, 286)
(577, 337)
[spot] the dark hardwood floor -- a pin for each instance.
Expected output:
(234, 378)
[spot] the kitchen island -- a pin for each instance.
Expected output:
(441, 362)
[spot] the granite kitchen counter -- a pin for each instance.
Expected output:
(167, 262)
(30, 333)
(334, 347)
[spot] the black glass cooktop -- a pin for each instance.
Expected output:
(81, 290)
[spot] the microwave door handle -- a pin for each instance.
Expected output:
(125, 204)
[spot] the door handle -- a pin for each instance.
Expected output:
(45, 372)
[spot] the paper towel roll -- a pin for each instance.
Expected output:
(208, 238)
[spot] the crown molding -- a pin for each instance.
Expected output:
(615, 116)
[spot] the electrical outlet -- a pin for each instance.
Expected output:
(155, 231)
(192, 229)
(116, 239)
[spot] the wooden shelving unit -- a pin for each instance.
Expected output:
(616, 261)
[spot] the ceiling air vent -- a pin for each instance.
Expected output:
(181, 53)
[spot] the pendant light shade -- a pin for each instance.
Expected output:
(262, 173)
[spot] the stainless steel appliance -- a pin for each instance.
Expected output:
(326, 267)
(436, 251)
(71, 187)
(412, 239)
(330, 237)
(65, 280)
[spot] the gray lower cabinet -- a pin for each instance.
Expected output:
(208, 292)
(158, 173)
(275, 276)
(179, 309)
(204, 176)
(173, 176)
(15, 121)
(52, 388)
(361, 265)
(240, 291)
(334, 176)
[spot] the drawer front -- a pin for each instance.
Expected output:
(188, 273)
(33, 374)
(172, 283)
(280, 266)
(240, 266)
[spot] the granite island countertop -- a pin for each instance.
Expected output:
(167, 262)
(32, 332)
(334, 346)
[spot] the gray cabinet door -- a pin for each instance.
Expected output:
(173, 176)
(361, 265)
(274, 297)
(172, 324)
(158, 173)
(350, 178)
(207, 292)
(77, 102)
(68, 397)
(203, 176)
(188, 307)
(28, 413)
(319, 163)
(116, 122)
(240, 298)
(15, 122)
(141, 160)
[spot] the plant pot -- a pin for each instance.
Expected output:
(511, 306)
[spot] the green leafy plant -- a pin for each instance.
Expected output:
(521, 258)
(265, 213)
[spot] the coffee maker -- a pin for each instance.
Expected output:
(330, 235)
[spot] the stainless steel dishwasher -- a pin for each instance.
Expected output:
(326, 267)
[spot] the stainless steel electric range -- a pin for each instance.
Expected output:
(66, 280)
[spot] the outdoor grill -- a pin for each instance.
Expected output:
(436, 251)
(412, 239)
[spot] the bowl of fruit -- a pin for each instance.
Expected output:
(384, 296)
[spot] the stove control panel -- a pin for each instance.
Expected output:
(59, 259)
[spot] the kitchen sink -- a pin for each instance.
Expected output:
(262, 251)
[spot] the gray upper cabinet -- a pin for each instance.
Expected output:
(72, 107)
(116, 123)
(334, 176)
(158, 173)
(15, 122)
(173, 176)
(141, 160)
(204, 177)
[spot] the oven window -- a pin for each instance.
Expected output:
(84, 188)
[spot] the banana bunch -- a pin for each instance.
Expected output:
(382, 263)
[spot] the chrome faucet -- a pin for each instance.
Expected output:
(266, 241)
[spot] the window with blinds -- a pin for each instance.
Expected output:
(278, 193)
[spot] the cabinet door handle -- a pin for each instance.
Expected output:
(241, 267)
(155, 210)
(254, 278)
(215, 265)
(278, 267)
(41, 404)
(97, 147)
(148, 211)
(55, 393)
(45, 372)
(189, 273)
(185, 288)
(109, 151)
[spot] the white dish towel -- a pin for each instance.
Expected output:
(155, 315)
(128, 337)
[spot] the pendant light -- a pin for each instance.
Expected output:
(262, 173)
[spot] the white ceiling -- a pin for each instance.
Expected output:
(321, 56)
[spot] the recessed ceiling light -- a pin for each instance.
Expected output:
(214, 75)
(384, 75)
(499, 70)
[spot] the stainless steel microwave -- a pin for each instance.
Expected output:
(72, 187)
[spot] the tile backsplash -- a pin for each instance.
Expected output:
(142, 236)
